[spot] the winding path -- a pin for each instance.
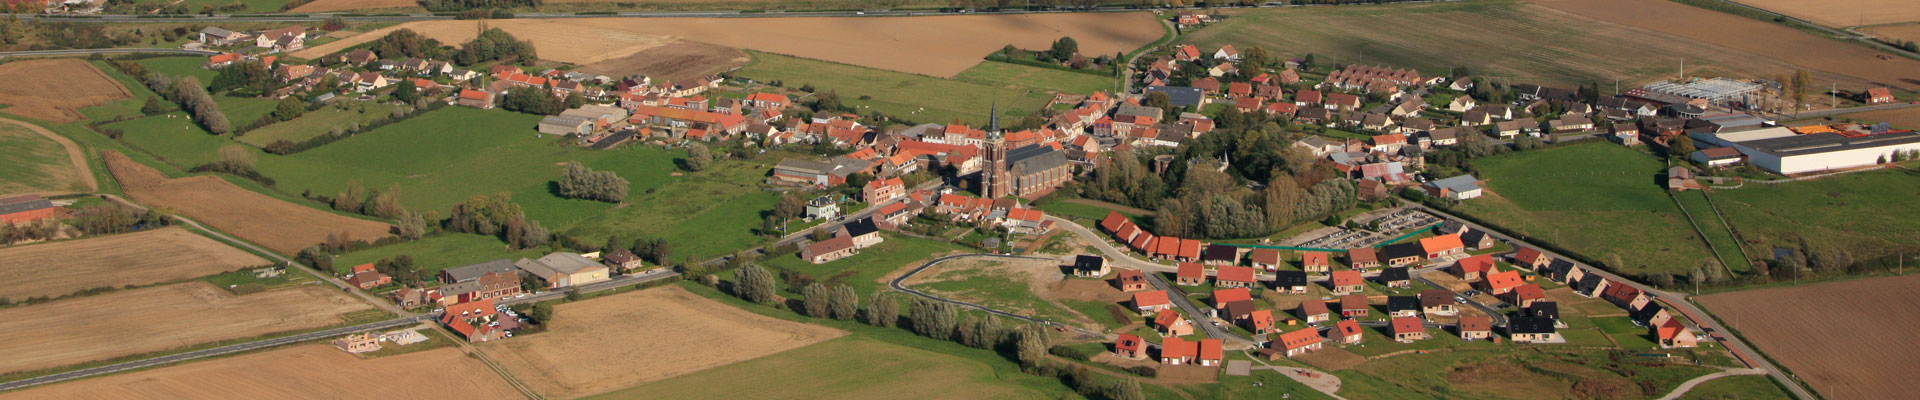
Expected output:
(78, 157)
(1691, 383)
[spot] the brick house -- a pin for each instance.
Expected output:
(1395, 277)
(1354, 305)
(1347, 282)
(1169, 323)
(1147, 303)
(1235, 277)
(27, 208)
(1438, 302)
(1363, 258)
(1501, 283)
(1442, 246)
(1265, 259)
(1531, 258)
(1316, 261)
(1476, 327)
(1130, 347)
(1473, 268)
(1290, 281)
(1407, 329)
(1314, 311)
(1190, 274)
(1346, 332)
(883, 190)
(1292, 344)
(1130, 280)
(828, 250)
(1672, 334)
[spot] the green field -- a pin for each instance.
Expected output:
(436, 253)
(1597, 200)
(1529, 43)
(1870, 215)
(898, 94)
(848, 367)
(862, 272)
(1511, 374)
(244, 110)
(1729, 249)
(318, 122)
(252, 6)
(1010, 74)
(1745, 387)
(180, 66)
(173, 138)
(33, 162)
(971, 281)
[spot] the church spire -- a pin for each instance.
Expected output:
(993, 119)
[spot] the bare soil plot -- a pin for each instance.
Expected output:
(1839, 13)
(305, 371)
(1908, 32)
(344, 5)
(158, 318)
(936, 45)
(1846, 339)
(55, 89)
(678, 61)
(1850, 65)
(280, 226)
(613, 342)
(1101, 290)
(44, 163)
(1908, 118)
(137, 258)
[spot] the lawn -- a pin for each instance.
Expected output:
(171, 137)
(1010, 74)
(1519, 373)
(1526, 42)
(1068, 209)
(1000, 290)
(1623, 331)
(1597, 200)
(180, 66)
(252, 6)
(898, 94)
(244, 110)
(849, 367)
(862, 272)
(436, 253)
(1745, 387)
(1869, 215)
(318, 122)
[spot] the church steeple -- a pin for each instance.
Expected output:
(993, 119)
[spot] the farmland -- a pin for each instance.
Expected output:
(304, 371)
(1510, 374)
(1897, 32)
(279, 225)
(940, 46)
(317, 122)
(158, 318)
(1863, 215)
(853, 367)
(139, 258)
(1908, 118)
(1842, 338)
(1841, 13)
(39, 163)
(870, 270)
(677, 61)
(1595, 199)
(55, 90)
(914, 97)
(345, 5)
(1852, 67)
(608, 343)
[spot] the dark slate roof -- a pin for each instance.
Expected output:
(1560, 269)
(1519, 325)
(1542, 309)
(1647, 312)
(1085, 262)
(23, 204)
(1219, 252)
(1590, 282)
(1393, 274)
(861, 227)
(1035, 158)
(474, 271)
(1290, 278)
(1178, 96)
(1472, 237)
(1819, 143)
(1402, 303)
(1401, 250)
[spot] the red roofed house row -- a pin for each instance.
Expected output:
(1235, 277)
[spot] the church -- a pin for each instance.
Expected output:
(1029, 171)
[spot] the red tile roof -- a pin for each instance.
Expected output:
(1315, 258)
(1210, 349)
(1348, 327)
(1480, 264)
(1223, 296)
(1300, 338)
(1347, 278)
(1503, 280)
(1353, 302)
(1149, 299)
(1189, 270)
(1526, 292)
(1407, 325)
(1528, 255)
(1235, 274)
(1177, 348)
(1262, 319)
(1265, 256)
(1113, 221)
(1670, 329)
(1167, 246)
(1129, 343)
(1190, 249)
(1167, 318)
(1476, 323)
(1441, 243)
(1313, 307)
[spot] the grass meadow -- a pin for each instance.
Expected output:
(318, 122)
(863, 272)
(33, 162)
(1595, 199)
(1870, 215)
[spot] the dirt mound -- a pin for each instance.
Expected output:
(280, 226)
(56, 89)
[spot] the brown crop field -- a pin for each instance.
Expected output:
(280, 226)
(56, 89)
(139, 258)
(1908, 118)
(613, 342)
(1908, 32)
(311, 371)
(153, 319)
(1841, 13)
(936, 45)
(1847, 340)
(678, 61)
(1852, 66)
(343, 5)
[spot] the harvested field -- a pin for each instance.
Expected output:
(937, 45)
(280, 226)
(55, 89)
(619, 341)
(680, 60)
(138, 258)
(41, 162)
(305, 371)
(1854, 67)
(153, 319)
(344, 5)
(1841, 13)
(1908, 32)
(1870, 358)
(1908, 118)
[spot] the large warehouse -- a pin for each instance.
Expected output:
(1798, 154)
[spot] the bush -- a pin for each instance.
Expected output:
(1145, 371)
(1070, 353)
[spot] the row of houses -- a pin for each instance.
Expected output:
(279, 40)
(1641, 307)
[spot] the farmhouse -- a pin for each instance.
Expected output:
(477, 321)
(364, 277)
(562, 269)
(1151, 302)
(1292, 344)
(27, 208)
(476, 99)
(1346, 332)
(1169, 323)
(1476, 327)
(1407, 329)
(1314, 311)
(1129, 280)
(828, 250)
(1346, 282)
(1130, 347)
(1532, 330)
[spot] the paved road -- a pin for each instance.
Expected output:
(899, 285)
(78, 52)
(82, 373)
(1673, 301)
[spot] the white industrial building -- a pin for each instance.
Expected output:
(1780, 151)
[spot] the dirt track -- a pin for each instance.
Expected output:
(56, 89)
(153, 319)
(307, 371)
(82, 172)
(137, 258)
(1846, 339)
(936, 45)
(281, 226)
(608, 343)
(1852, 66)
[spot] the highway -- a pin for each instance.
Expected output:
(1671, 300)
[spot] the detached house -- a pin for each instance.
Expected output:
(1473, 268)
(1089, 266)
(1354, 306)
(1363, 258)
(1265, 259)
(1346, 332)
(1130, 280)
(1190, 274)
(1347, 282)
(1235, 277)
(1292, 344)
(1531, 258)
(1443, 246)
(1500, 283)
(1316, 261)
(1407, 329)
(1314, 311)
(1476, 327)
(1169, 323)
(1148, 303)
(1674, 335)
(1130, 347)
(1438, 302)
(1532, 330)
(1290, 281)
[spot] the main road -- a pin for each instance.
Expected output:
(1672, 300)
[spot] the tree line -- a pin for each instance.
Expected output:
(185, 91)
(497, 215)
(1266, 184)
